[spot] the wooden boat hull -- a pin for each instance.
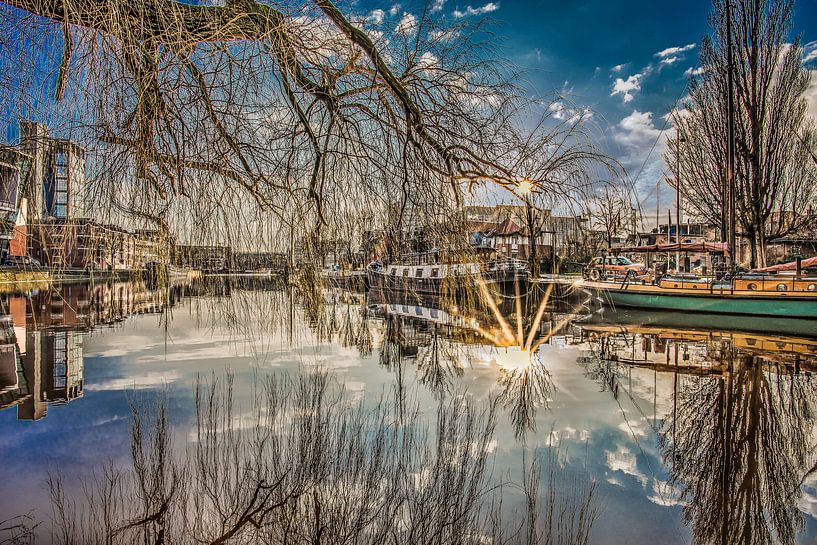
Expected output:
(744, 303)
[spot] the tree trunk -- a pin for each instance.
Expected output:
(532, 233)
(759, 249)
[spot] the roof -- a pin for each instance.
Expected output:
(507, 228)
(791, 266)
(712, 247)
(484, 227)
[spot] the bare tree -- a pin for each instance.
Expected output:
(608, 211)
(775, 183)
(305, 464)
(201, 116)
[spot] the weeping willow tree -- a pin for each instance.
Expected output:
(775, 175)
(247, 119)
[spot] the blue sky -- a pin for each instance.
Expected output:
(628, 61)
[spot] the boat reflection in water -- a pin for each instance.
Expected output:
(503, 329)
(738, 442)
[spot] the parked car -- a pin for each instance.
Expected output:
(613, 266)
(22, 262)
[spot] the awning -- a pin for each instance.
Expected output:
(791, 266)
(698, 247)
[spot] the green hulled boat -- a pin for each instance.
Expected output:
(781, 296)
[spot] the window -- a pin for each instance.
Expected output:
(624, 261)
(405, 271)
(394, 271)
(419, 273)
(434, 272)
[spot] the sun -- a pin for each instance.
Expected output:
(513, 358)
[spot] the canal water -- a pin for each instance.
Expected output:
(690, 429)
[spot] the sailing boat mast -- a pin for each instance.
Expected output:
(728, 220)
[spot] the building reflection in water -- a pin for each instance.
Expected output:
(738, 440)
(41, 338)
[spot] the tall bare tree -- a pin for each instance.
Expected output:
(609, 211)
(775, 183)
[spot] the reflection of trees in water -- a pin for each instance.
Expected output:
(523, 392)
(439, 362)
(601, 365)
(391, 349)
(306, 465)
(363, 337)
(739, 447)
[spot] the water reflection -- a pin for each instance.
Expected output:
(739, 445)
(738, 441)
(42, 334)
(729, 437)
(443, 337)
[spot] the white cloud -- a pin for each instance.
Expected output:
(625, 461)
(482, 10)
(669, 60)
(637, 130)
(694, 71)
(428, 61)
(642, 146)
(671, 51)
(446, 35)
(149, 380)
(571, 115)
(394, 10)
(627, 88)
(407, 25)
(811, 95)
(809, 52)
(437, 6)
(376, 16)
(619, 67)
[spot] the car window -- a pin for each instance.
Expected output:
(624, 261)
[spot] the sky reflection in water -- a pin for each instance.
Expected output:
(601, 388)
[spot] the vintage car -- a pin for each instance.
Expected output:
(613, 266)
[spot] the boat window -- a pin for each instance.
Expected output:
(752, 286)
(405, 271)
(419, 273)
(782, 287)
(434, 272)
(812, 287)
(624, 261)
(394, 271)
